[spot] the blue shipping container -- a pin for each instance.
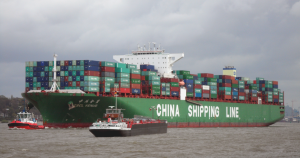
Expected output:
(198, 95)
(135, 91)
(46, 63)
(174, 93)
(92, 68)
(91, 62)
(235, 97)
(235, 89)
(81, 78)
(149, 67)
(57, 63)
(190, 90)
(235, 93)
(189, 85)
(241, 90)
(186, 81)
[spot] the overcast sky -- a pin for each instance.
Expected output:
(259, 38)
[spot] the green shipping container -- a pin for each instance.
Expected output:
(123, 70)
(156, 83)
(135, 81)
(241, 86)
(123, 75)
(135, 71)
(241, 82)
(122, 80)
(213, 96)
(234, 85)
(108, 64)
(149, 73)
(152, 78)
(92, 89)
(213, 91)
(124, 85)
(212, 83)
(155, 87)
(281, 94)
(190, 94)
(211, 80)
(275, 89)
(130, 66)
(275, 93)
(155, 92)
(168, 84)
(107, 79)
(163, 84)
(253, 87)
(241, 98)
(198, 90)
(174, 84)
(115, 85)
(120, 65)
(197, 82)
(190, 77)
(163, 92)
(182, 72)
(228, 93)
(167, 93)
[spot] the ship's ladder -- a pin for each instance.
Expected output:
(194, 102)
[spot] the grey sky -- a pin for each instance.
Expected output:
(260, 38)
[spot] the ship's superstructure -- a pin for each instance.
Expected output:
(152, 56)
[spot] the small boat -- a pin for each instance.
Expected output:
(116, 126)
(25, 120)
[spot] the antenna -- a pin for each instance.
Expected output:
(149, 46)
(154, 46)
(54, 85)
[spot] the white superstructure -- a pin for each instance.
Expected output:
(162, 62)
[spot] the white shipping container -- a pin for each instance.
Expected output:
(205, 87)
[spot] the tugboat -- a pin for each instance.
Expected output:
(116, 126)
(25, 120)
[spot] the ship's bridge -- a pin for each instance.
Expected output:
(162, 62)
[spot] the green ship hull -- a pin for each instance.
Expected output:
(62, 110)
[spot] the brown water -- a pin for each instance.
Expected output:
(278, 140)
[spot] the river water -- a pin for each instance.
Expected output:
(278, 140)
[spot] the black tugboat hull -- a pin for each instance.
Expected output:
(137, 129)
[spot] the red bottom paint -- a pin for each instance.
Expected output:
(24, 125)
(170, 125)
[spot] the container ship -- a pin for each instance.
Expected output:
(74, 93)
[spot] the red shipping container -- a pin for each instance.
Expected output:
(135, 76)
(232, 78)
(275, 96)
(38, 88)
(135, 86)
(100, 63)
(275, 82)
(226, 77)
(77, 83)
(27, 89)
(197, 85)
(174, 80)
(174, 88)
(205, 91)
(66, 78)
(70, 84)
(144, 69)
(66, 63)
(124, 90)
(235, 82)
(227, 96)
(114, 89)
(242, 93)
(107, 69)
(208, 75)
(246, 87)
(143, 77)
(226, 84)
(254, 98)
(262, 85)
(254, 81)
